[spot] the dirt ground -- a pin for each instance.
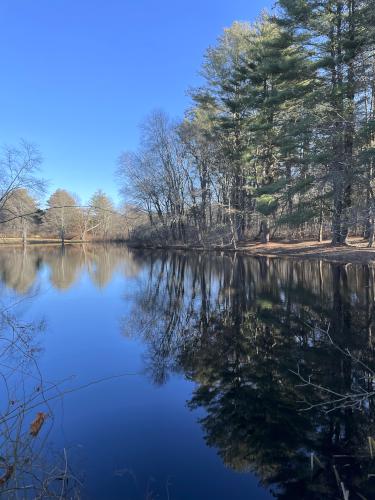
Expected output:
(356, 251)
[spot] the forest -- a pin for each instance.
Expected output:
(279, 138)
(278, 142)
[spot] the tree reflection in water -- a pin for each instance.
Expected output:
(19, 266)
(240, 328)
(29, 468)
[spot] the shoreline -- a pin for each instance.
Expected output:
(4, 242)
(355, 252)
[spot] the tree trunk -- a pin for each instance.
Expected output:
(320, 234)
(371, 229)
(264, 232)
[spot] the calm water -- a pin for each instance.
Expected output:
(196, 371)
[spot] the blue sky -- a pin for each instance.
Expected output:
(78, 76)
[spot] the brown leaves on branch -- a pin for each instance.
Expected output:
(37, 423)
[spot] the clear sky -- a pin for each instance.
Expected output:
(78, 76)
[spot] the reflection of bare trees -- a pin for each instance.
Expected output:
(64, 266)
(20, 265)
(239, 328)
(104, 260)
(28, 467)
(18, 268)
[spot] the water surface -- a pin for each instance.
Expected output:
(206, 375)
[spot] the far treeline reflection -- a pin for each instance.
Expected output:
(19, 266)
(240, 328)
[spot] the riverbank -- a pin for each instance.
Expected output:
(36, 241)
(356, 251)
(51, 241)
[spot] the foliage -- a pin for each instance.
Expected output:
(282, 125)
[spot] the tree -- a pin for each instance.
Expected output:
(336, 32)
(200, 154)
(155, 177)
(21, 210)
(62, 215)
(279, 137)
(223, 98)
(102, 215)
(19, 166)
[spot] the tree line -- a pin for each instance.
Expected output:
(278, 140)
(64, 216)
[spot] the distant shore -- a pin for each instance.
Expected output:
(355, 252)
(52, 241)
(37, 241)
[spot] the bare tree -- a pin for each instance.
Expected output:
(102, 215)
(62, 216)
(19, 166)
(22, 209)
(155, 178)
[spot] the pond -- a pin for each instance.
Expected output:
(185, 376)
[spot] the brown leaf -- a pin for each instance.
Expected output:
(37, 423)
